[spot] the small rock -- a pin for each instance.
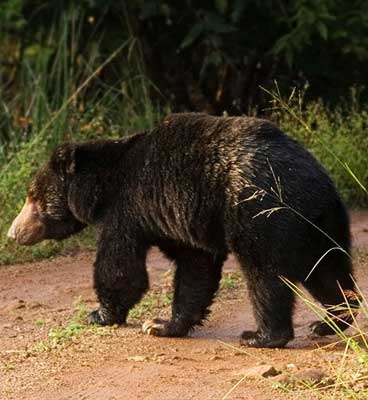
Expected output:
(311, 375)
(35, 305)
(284, 379)
(137, 358)
(214, 358)
(264, 371)
(20, 304)
(15, 305)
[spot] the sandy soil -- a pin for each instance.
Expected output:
(123, 363)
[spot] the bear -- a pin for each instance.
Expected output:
(199, 187)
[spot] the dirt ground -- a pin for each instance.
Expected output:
(123, 363)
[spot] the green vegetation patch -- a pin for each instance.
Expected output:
(150, 305)
(337, 137)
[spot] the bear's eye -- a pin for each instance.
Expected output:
(36, 209)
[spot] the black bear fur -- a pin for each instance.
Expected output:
(200, 187)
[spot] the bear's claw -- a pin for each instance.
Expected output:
(154, 327)
(321, 328)
(257, 339)
(95, 318)
(103, 317)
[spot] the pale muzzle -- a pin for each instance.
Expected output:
(27, 228)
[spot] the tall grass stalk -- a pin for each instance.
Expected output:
(337, 138)
(57, 104)
(353, 365)
(297, 115)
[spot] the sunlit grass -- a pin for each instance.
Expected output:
(66, 115)
(337, 137)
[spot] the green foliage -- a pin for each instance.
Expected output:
(79, 70)
(11, 18)
(330, 21)
(230, 280)
(151, 303)
(201, 55)
(75, 326)
(353, 365)
(60, 336)
(60, 101)
(337, 137)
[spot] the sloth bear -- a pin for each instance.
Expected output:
(199, 187)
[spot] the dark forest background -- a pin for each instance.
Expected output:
(197, 55)
(74, 70)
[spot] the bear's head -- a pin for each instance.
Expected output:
(74, 188)
(46, 213)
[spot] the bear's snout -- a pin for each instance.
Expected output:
(27, 228)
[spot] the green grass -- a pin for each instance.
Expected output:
(230, 280)
(337, 137)
(74, 327)
(151, 304)
(60, 336)
(74, 331)
(63, 122)
(7, 367)
(61, 101)
(346, 376)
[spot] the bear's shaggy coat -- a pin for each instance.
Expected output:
(200, 187)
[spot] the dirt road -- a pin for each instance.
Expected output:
(46, 355)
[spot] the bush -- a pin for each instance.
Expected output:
(338, 139)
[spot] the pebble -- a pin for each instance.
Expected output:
(137, 358)
(311, 375)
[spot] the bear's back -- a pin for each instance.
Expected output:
(238, 152)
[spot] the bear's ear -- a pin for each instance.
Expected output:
(63, 159)
(97, 155)
(71, 158)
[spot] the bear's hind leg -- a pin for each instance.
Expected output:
(331, 283)
(273, 305)
(196, 281)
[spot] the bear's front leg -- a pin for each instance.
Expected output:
(196, 281)
(120, 279)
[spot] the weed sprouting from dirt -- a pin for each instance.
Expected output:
(350, 372)
(75, 326)
(40, 322)
(151, 303)
(230, 280)
(63, 335)
(7, 367)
